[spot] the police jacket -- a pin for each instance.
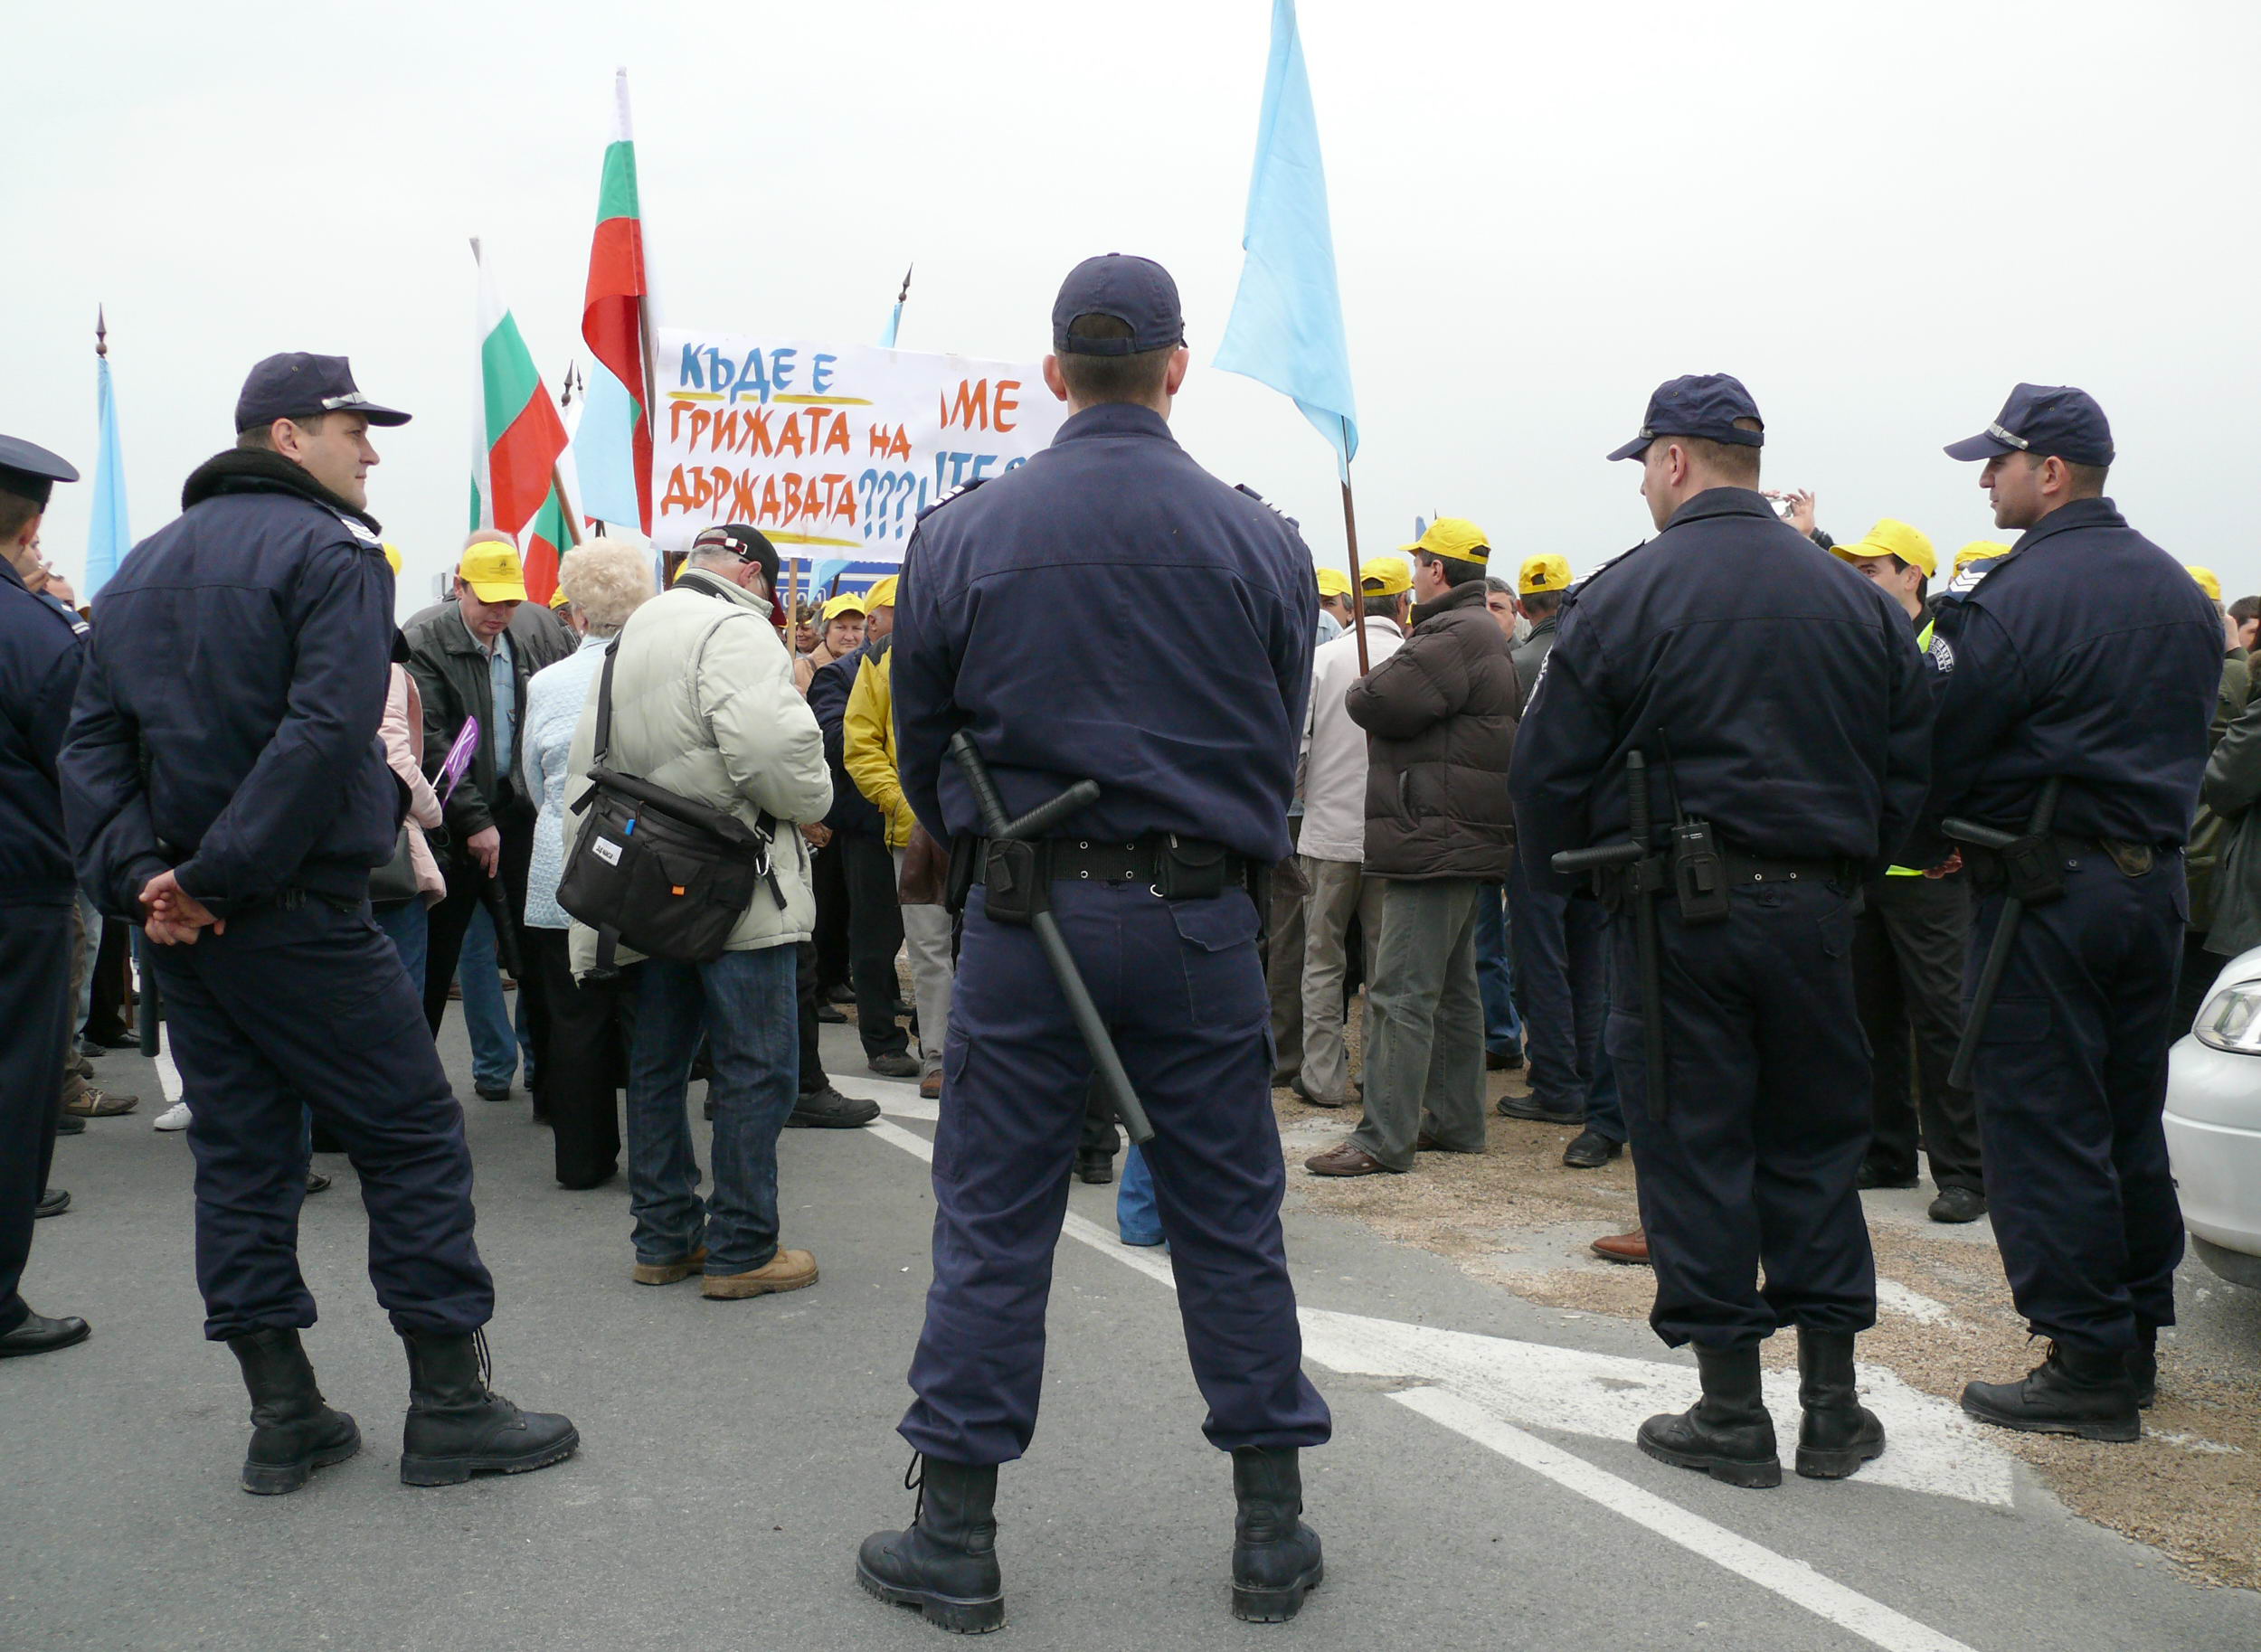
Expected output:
(853, 815)
(452, 672)
(1111, 611)
(40, 652)
(226, 722)
(2087, 653)
(1439, 716)
(1773, 692)
(1531, 658)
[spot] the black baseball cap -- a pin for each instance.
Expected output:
(2042, 420)
(30, 472)
(750, 544)
(1136, 291)
(299, 386)
(1700, 404)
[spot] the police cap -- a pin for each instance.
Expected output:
(2042, 420)
(1136, 291)
(30, 472)
(297, 385)
(1700, 404)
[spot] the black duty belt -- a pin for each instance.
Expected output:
(1746, 869)
(2132, 858)
(1089, 860)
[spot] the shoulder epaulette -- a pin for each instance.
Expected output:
(1242, 487)
(959, 491)
(1619, 561)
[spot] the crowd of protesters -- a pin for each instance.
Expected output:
(1409, 950)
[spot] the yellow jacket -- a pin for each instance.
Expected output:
(867, 745)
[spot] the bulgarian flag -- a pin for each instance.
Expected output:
(613, 446)
(517, 433)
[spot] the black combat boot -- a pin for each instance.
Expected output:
(2143, 1366)
(2075, 1391)
(945, 1564)
(458, 1427)
(1837, 1433)
(1727, 1433)
(293, 1433)
(1275, 1556)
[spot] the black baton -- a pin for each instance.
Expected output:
(1640, 890)
(996, 824)
(492, 895)
(2005, 933)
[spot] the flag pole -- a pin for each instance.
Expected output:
(557, 477)
(1350, 537)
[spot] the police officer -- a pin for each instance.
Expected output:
(1046, 615)
(2086, 656)
(226, 789)
(40, 651)
(1779, 698)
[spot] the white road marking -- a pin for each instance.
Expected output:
(1934, 1448)
(169, 1075)
(1892, 1294)
(1794, 1580)
(1330, 1337)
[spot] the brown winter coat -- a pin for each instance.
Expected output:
(1439, 718)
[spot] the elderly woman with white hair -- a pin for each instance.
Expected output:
(604, 581)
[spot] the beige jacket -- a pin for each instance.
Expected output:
(402, 732)
(703, 704)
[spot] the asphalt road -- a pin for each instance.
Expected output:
(734, 1453)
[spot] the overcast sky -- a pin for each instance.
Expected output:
(1879, 217)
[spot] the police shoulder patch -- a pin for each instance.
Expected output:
(959, 491)
(1942, 654)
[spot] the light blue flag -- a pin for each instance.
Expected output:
(895, 321)
(107, 539)
(1286, 326)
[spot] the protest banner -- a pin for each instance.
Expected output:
(835, 448)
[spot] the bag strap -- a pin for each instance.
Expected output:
(604, 702)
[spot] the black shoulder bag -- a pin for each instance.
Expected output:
(656, 872)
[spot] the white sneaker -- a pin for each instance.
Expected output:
(174, 1117)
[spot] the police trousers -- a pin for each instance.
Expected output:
(2071, 1078)
(1180, 984)
(35, 1018)
(307, 1005)
(1757, 1161)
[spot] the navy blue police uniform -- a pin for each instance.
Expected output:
(226, 730)
(1781, 698)
(1109, 611)
(40, 654)
(2086, 655)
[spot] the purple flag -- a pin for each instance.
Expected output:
(459, 756)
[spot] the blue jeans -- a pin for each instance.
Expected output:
(747, 1004)
(406, 923)
(1605, 1109)
(1136, 1218)
(1495, 973)
(495, 1042)
(1561, 958)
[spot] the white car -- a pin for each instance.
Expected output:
(2214, 1124)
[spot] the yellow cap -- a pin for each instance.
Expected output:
(559, 600)
(2208, 581)
(847, 602)
(1456, 537)
(1385, 576)
(882, 594)
(1545, 572)
(1890, 538)
(1333, 582)
(493, 572)
(393, 558)
(1978, 550)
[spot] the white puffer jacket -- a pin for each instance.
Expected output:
(703, 704)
